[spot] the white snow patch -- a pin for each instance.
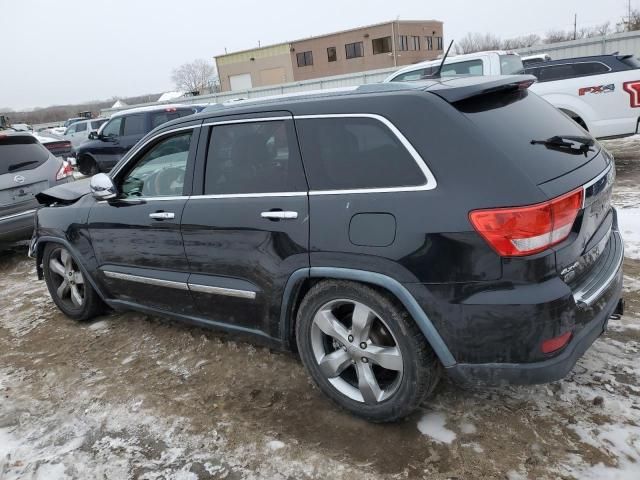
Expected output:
(275, 445)
(629, 224)
(513, 475)
(100, 325)
(468, 428)
(129, 359)
(432, 424)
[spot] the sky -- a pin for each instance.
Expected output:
(68, 51)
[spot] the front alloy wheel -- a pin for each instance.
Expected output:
(68, 287)
(67, 278)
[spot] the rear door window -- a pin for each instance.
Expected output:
(471, 67)
(133, 125)
(511, 64)
(413, 75)
(571, 70)
(81, 127)
(256, 157)
(20, 152)
(95, 125)
(355, 153)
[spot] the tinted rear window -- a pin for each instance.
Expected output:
(512, 120)
(158, 118)
(20, 152)
(569, 70)
(133, 125)
(355, 153)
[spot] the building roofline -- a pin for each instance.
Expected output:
(313, 37)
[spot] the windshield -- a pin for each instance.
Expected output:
(511, 64)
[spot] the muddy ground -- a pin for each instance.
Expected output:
(131, 396)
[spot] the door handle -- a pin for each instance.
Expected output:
(162, 215)
(279, 215)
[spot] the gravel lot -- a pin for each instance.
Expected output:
(131, 396)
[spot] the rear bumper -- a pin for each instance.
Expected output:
(16, 227)
(495, 331)
(544, 371)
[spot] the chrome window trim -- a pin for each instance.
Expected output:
(248, 120)
(228, 292)
(431, 182)
(16, 215)
(133, 152)
(146, 280)
(593, 181)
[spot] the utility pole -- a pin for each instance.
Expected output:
(575, 25)
(629, 18)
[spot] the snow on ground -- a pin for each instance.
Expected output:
(629, 224)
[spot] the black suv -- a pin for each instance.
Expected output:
(389, 233)
(549, 71)
(123, 130)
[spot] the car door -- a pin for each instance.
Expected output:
(80, 133)
(133, 129)
(136, 236)
(246, 227)
(108, 152)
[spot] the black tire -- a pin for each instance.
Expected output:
(87, 166)
(91, 304)
(421, 369)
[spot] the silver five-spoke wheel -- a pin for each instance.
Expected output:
(67, 278)
(356, 351)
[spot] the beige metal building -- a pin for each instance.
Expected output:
(383, 45)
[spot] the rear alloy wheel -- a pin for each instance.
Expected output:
(67, 284)
(364, 351)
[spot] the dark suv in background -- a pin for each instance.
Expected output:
(388, 234)
(121, 132)
(551, 70)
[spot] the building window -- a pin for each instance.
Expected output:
(305, 59)
(403, 43)
(332, 55)
(439, 41)
(429, 42)
(354, 50)
(381, 45)
(414, 44)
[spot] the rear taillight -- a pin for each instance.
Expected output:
(65, 170)
(633, 88)
(556, 343)
(518, 231)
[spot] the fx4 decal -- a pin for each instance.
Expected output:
(597, 89)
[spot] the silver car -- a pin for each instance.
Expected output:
(26, 169)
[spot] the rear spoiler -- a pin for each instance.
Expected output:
(462, 88)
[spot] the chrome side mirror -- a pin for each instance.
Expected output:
(102, 187)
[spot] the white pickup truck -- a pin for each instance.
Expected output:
(601, 93)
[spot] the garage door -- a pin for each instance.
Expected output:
(240, 82)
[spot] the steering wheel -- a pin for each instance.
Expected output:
(164, 182)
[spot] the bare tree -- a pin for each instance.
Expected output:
(478, 42)
(196, 76)
(629, 23)
(520, 42)
(555, 36)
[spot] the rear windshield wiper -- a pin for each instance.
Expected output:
(567, 143)
(16, 166)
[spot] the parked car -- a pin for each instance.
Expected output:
(55, 144)
(356, 228)
(78, 132)
(123, 130)
(73, 120)
(601, 93)
(56, 130)
(21, 127)
(26, 169)
(496, 62)
(531, 60)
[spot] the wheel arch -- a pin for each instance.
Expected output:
(38, 252)
(85, 155)
(302, 280)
